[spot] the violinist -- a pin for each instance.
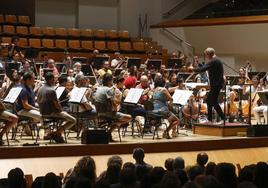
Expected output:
(14, 48)
(51, 65)
(117, 62)
(172, 84)
(105, 69)
(77, 69)
(63, 82)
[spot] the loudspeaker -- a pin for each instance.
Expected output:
(96, 136)
(257, 131)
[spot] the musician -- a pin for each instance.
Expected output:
(26, 67)
(11, 121)
(14, 48)
(44, 59)
(85, 108)
(105, 69)
(50, 107)
(172, 84)
(215, 71)
(68, 62)
(51, 65)
(77, 69)
(116, 61)
(63, 82)
(161, 98)
(131, 80)
(104, 97)
(26, 100)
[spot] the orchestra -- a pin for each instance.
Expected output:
(111, 83)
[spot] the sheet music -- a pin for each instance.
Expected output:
(59, 91)
(133, 95)
(13, 95)
(181, 96)
(77, 94)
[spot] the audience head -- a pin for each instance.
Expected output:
(86, 168)
(16, 178)
(115, 160)
(170, 180)
(261, 175)
(169, 164)
(225, 173)
(83, 183)
(178, 163)
(202, 159)
(127, 177)
(138, 155)
(194, 171)
(129, 165)
(207, 181)
(157, 174)
(51, 181)
(246, 184)
(247, 173)
(210, 168)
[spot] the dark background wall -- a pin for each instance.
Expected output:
(18, 7)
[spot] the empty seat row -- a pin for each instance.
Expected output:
(15, 20)
(51, 44)
(51, 32)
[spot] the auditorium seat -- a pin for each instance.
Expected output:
(22, 30)
(112, 46)
(35, 32)
(138, 46)
(60, 32)
(112, 34)
(35, 43)
(60, 44)
(125, 46)
(123, 35)
(6, 40)
(99, 34)
(24, 20)
(23, 42)
(73, 32)
(86, 33)
(8, 30)
(87, 45)
(2, 20)
(11, 19)
(48, 32)
(48, 43)
(74, 44)
(100, 45)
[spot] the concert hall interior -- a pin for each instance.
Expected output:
(133, 93)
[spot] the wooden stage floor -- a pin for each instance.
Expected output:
(186, 141)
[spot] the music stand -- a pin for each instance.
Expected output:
(154, 64)
(174, 63)
(259, 74)
(87, 70)
(59, 91)
(97, 62)
(133, 96)
(181, 97)
(233, 79)
(31, 53)
(183, 75)
(133, 61)
(82, 60)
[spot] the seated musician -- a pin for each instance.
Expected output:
(14, 48)
(26, 67)
(68, 62)
(103, 98)
(51, 65)
(117, 61)
(26, 100)
(77, 69)
(85, 108)
(161, 97)
(51, 108)
(70, 74)
(63, 82)
(131, 80)
(257, 113)
(11, 121)
(172, 84)
(44, 59)
(105, 69)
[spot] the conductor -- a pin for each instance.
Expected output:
(216, 79)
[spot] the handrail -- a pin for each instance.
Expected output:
(173, 10)
(179, 38)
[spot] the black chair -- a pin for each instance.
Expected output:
(103, 120)
(153, 119)
(52, 124)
